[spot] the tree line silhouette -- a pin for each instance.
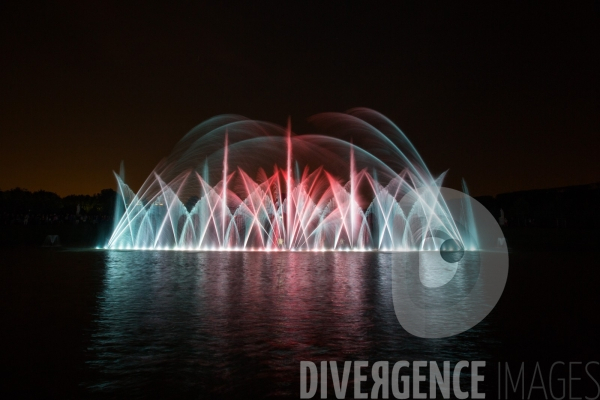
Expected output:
(20, 206)
(26, 217)
(565, 207)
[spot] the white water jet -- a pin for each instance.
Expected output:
(395, 207)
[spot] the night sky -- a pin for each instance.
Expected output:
(505, 96)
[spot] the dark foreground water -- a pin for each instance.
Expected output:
(119, 324)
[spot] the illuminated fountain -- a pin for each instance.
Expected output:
(237, 184)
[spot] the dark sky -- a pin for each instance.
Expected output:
(506, 96)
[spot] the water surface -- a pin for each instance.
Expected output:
(233, 324)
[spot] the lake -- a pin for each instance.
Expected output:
(106, 324)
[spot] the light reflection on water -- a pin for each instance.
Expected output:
(237, 324)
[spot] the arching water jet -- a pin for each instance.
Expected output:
(389, 200)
